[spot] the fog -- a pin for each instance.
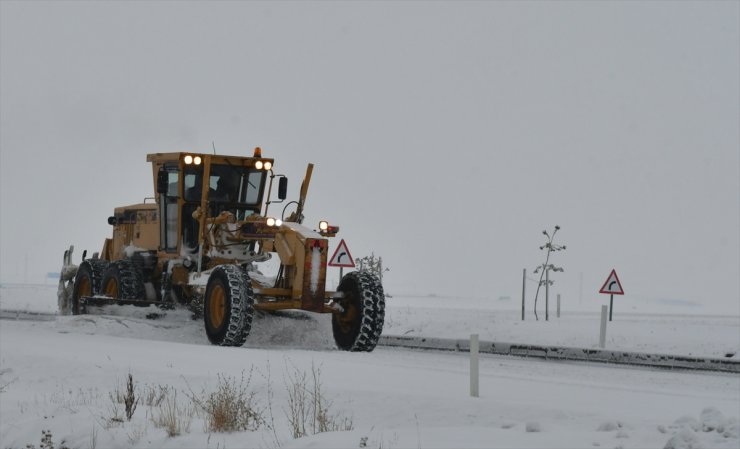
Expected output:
(446, 135)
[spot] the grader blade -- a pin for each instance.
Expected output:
(66, 283)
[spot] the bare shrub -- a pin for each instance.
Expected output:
(309, 410)
(173, 418)
(47, 442)
(130, 400)
(137, 433)
(94, 438)
(114, 412)
(128, 397)
(154, 395)
(267, 376)
(298, 402)
(232, 407)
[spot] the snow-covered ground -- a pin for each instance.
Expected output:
(635, 327)
(58, 375)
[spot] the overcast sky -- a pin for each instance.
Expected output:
(446, 136)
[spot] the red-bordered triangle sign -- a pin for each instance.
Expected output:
(612, 286)
(342, 257)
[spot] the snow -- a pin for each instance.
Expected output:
(315, 268)
(656, 331)
(130, 250)
(58, 375)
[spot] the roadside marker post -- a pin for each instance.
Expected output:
(474, 349)
(602, 333)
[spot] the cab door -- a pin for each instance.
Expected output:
(169, 178)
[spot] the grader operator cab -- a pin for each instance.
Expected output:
(198, 244)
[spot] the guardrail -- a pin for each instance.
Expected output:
(667, 361)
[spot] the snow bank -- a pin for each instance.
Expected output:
(712, 430)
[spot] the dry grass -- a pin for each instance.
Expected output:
(309, 410)
(174, 418)
(47, 442)
(154, 395)
(127, 397)
(232, 407)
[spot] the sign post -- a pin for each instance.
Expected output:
(612, 287)
(602, 331)
(342, 258)
(474, 348)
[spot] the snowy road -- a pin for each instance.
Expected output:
(59, 375)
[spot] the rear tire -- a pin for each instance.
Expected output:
(358, 328)
(122, 280)
(87, 282)
(228, 307)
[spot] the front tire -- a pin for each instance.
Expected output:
(358, 328)
(228, 307)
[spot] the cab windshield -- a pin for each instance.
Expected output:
(230, 188)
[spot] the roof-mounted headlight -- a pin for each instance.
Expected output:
(268, 165)
(188, 159)
(258, 165)
(197, 160)
(326, 229)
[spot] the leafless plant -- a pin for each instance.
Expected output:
(270, 420)
(308, 407)
(298, 402)
(47, 442)
(154, 395)
(114, 411)
(137, 433)
(232, 407)
(94, 437)
(130, 400)
(546, 267)
(173, 418)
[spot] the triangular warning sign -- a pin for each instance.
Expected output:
(612, 286)
(342, 257)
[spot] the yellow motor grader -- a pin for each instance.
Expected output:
(197, 245)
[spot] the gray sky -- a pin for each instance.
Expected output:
(446, 136)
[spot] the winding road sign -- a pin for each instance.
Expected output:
(342, 257)
(612, 286)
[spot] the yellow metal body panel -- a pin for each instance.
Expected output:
(137, 226)
(302, 252)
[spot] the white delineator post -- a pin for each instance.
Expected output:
(474, 365)
(602, 334)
